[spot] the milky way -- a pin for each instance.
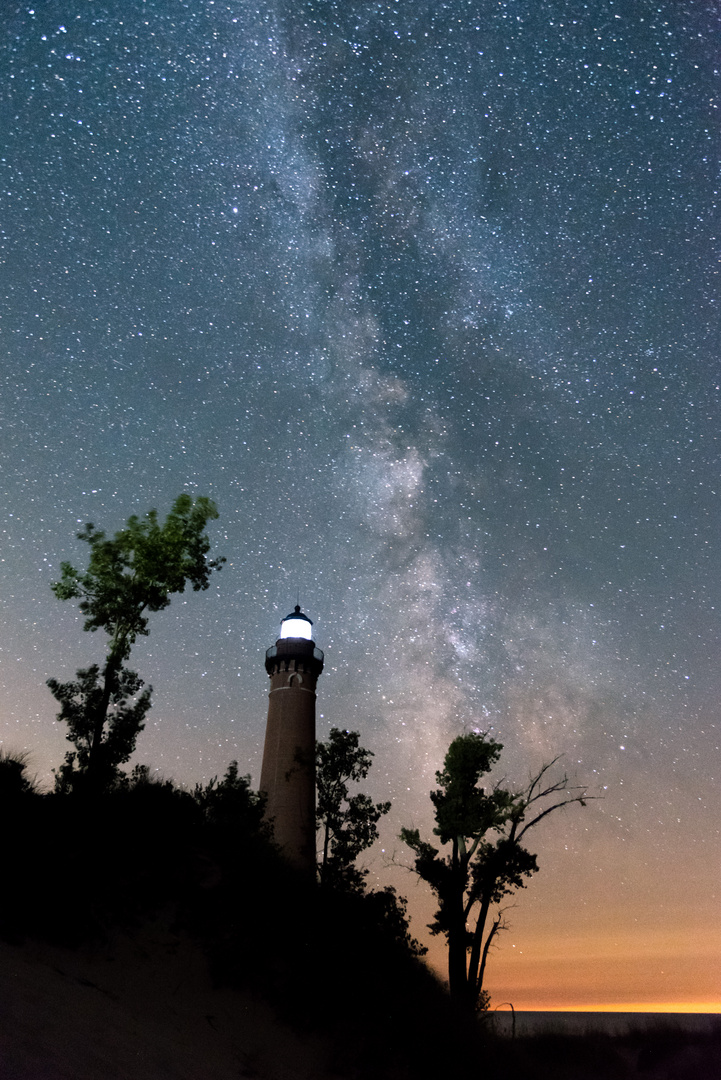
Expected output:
(422, 295)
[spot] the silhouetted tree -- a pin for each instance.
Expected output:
(487, 860)
(124, 715)
(389, 912)
(348, 824)
(232, 804)
(127, 577)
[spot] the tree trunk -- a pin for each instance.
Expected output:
(457, 976)
(94, 769)
(491, 934)
(326, 846)
(475, 962)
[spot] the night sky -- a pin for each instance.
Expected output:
(423, 295)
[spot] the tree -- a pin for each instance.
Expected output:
(389, 913)
(232, 805)
(127, 578)
(123, 719)
(487, 860)
(348, 824)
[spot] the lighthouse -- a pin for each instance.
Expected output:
(287, 775)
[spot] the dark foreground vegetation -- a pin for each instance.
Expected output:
(79, 868)
(663, 1054)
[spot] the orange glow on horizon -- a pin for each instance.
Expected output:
(624, 1007)
(653, 969)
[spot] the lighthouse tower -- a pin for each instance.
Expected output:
(287, 775)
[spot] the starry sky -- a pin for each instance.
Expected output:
(423, 295)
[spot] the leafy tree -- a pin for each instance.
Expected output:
(128, 577)
(348, 824)
(389, 913)
(487, 860)
(232, 804)
(123, 719)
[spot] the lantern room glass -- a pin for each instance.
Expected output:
(297, 626)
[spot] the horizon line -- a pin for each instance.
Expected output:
(678, 1007)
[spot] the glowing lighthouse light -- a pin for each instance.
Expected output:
(296, 625)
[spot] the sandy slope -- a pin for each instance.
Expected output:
(142, 1009)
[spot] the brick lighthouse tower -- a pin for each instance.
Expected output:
(287, 775)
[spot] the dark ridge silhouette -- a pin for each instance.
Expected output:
(79, 868)
(81, 871)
